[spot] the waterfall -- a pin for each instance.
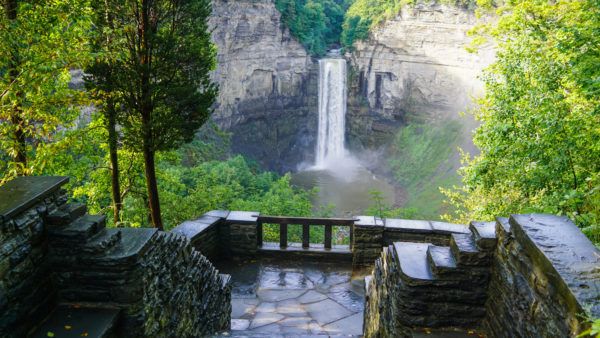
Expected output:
(332, 111)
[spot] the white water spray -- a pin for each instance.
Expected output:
(332, 112)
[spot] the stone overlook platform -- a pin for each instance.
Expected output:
(62, 272)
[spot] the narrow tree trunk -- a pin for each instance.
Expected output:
(16, 118)
(146, 114)
(151, 186)
(114, 162)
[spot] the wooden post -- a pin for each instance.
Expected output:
(305, 235)
(259, 234)
(351, 236)
(328, 236)
(283, 232)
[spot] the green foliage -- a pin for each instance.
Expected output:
(593, 331)
(539, 134)
(316, 23)
(421, 160)
(191, 189)
(366, 14)
(38, 47)
(382, 210)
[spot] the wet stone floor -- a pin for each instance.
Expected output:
(294, 298)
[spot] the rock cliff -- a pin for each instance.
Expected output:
(267, 82)
(414, 64)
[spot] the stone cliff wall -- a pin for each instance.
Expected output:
(267, 84)
(415, 64)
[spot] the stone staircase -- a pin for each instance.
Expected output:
(426, 285)
(75, 238)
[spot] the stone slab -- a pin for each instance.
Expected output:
(413, 260)
(368, 221)
(351, 325)
(327, 311)
(408, 225)
(242, 217)
(23, 192)
(265, 318)
(441, 257)
(278, 295)
(450, 228)
(311, 297)
(504, 224)
(239, 324)
(570, 260)
(191, 229)
(218, 213)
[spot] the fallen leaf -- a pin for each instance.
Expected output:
(50, 334)
(68, 327)
(85, 334)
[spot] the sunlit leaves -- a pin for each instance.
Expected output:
(540, 130)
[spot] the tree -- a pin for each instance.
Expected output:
(100, 84)
(539, 134)
(162, 70)
(39, 43)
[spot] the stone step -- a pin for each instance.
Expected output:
(102, 241)
(75, 321)
(134, 243)
(412, 259)
(441, 260)
(80, 230)
(66, 214)
(484, 234)
(465, 251)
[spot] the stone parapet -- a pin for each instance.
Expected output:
(546, 276)
(367, 241)
(26, 290)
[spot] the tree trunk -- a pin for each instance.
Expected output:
(16, 118)
(146, 114)
(151, 186)
(114, 162)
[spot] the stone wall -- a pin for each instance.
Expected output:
(26, 290)
(546, 275)
(54, 253)
(183, 294)
(530, 276)
(267, 84)
(367, 241)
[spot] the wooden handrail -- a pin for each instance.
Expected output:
(307, 220)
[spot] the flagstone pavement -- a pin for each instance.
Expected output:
(292, 298)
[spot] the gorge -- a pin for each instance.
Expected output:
(413, 70)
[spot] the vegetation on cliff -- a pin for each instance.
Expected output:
(363, 15)
(539, 135)
(316, 23)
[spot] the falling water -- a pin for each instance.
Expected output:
(332, 111)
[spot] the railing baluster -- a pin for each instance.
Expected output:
(283, 230)
(259, 234)
(351, 236)
(305, 235)
(328, 230)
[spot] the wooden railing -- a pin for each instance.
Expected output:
(305, 222)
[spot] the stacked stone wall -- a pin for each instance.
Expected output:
(26, 290)
(545, 277)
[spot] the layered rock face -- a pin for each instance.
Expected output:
(267, 81)
(415, 64)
